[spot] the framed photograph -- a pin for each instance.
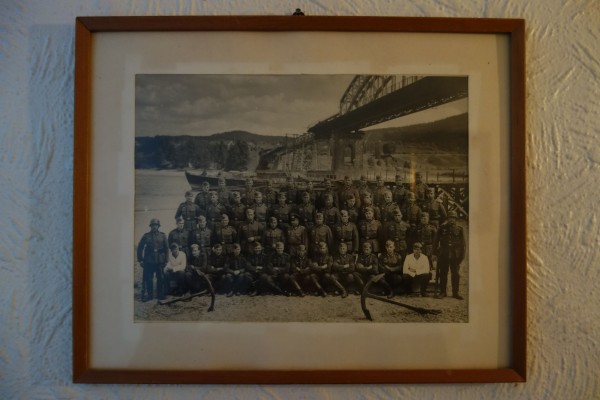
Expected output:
(299, 199)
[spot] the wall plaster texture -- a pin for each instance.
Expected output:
(36, 155)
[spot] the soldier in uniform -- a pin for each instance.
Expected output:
(321, 267)
(202, 236)
(278, 270)
(320, 233)
(225, 234)
(257, 264)
(181, 236)
(152, 253)
(379, 191)
(424, 233)
(347, 190)
(188, 211)
(331, 213)
(297, 235)
(260, 209)
(369, 230)
(353, 210)
(282, 211)
(400, 193)
(237, 278)
(251, 231)
(214, 209)
(203, 197)
(397, 231)
(367, 263)
(236, 210)
(390, 263)
(450, 248)
(312, 193)
(270, 194)
(363, 188)
(420, 188)
(435, 208)
(272, 235)
(215, 266)
(329, 189)
(196, 266)
(223, 192)
(347, 232)
(344, 270)
(248, 194)
(301, 267)
(291, 190)
(367, 202)
(389, 208)
(306, 211)
(416, 271)
(412, 212)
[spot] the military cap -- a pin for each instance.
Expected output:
(189, 193)
(205, 183)
(154, 221)
(417, 245)
(295, 216)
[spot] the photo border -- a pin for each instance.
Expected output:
(86, 27)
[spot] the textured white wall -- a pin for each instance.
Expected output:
(36, 154)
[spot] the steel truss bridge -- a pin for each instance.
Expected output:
(373, 99)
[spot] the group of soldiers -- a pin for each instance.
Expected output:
(296, 239)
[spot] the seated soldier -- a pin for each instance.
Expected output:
(237, 279)
(215, 266)
(344, 270)
(175, 272)
(278, 272)
(416, 271)
(194, 270)
(321, 268)
(256, 267)
(390, 263)
(367, 264)
(301, 267)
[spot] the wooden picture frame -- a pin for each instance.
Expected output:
(89, 231)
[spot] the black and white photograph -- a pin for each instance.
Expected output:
(301, 198)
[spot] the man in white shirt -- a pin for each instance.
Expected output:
(175, 271)
(416, 270)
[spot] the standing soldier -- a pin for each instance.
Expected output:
(389, 208)
(248, 194)
(435, 208)
(450, 248)
(201, 236)
(312, 193)
(152, 254)
(225, 235)
(369, 230)
(412, 212)
(270, 194)
(203, 197)
(347, 190)
(223, 192)
(181, 236)
(282, 211)
(329, 189)
(367, 202)
(291, 190)
(400, 193)
(260, 209)
(363, 188)
(424, 233)
(353, 210)
(347, 232)
(237, 210)
(214, 209)
(331, 213)
(272, 235)
(420, 188)
(306, 211)
(297, 236)
(397, 231)
(251, 231)
(188, 211)
(320, 233)
(379, 191)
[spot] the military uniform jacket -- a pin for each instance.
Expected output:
(340, 261)
(300, 265)
(181, 237)
(323, 262)
(224, 196)
(347, 233)
(376, 212)
(216, 261)
(334, 195)
(189, 212)
(378, 195)
(388, 210)
(321, 233)
(297, 236)
(235, 263)
(278, 264)
(390, 263)
(347, 192)
(424, 234)
(367, 263)
(202, 199)
(257, 263)
(153, 248)
(400, 195)
(412, 213)
(281, 212)
(200, 263)
(272, 236)
(201, 237)
(225, 235)
(397, 232)
(260, 212)
(436, 211)
(306, 212)
(353, 213)
(213, 212)
(270, 197)
(450, 242)
(248, 196)
(331, 216)
(237, 214)
(250, 230)
(369, 230)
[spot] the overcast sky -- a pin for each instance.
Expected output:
(263, 104)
